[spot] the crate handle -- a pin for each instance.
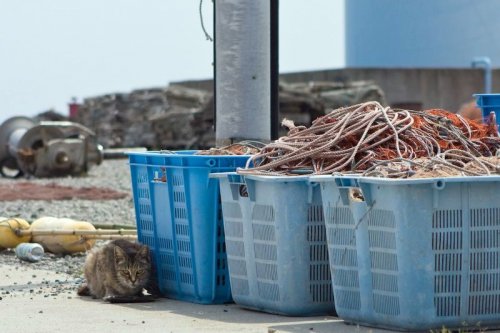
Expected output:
(348, 186)
(238, 186)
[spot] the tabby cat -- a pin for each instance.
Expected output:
(118, 269)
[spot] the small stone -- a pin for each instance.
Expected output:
(40, 311)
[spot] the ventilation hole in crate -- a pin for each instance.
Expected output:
(177, 180)
(235, 248)
(181, 229)
(219, 231)
(321, 292)
(447, 262)
(239, 287)
(485, 217)
(385, 304)
(186, 278)
(231, 210)
(344, 257)
(315, 213)
(263, 232)
(443, 219)
(237, 267)
(347, 299)
(447, 306)
(485, 239)
(218, 264)
(142, 177)
(268, 291)
(145, 224)
(316, 233)
(180, 213)
(342, 236)
(480, 261)
(183, 246)
(143, 193)
(385, 282)
(346, 278)
(339, 215)
(263, 213)
(185, 261)
(318, 252)
(179, 196)
(148, 240)
(484, 282)
(168, 274)
(233, 229)
(221, 280)
(266, 271)
(319, 272)
(484, 304)
(265, 252)
(447, 240)
(165, 243)
(384, 261)
(449, 283)
(223, 264)
(382, 239)
(167, 259)
(381, 218)
(145, 209)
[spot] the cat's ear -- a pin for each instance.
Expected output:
(120, 256)
(143, 253)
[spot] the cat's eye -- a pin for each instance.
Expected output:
(141, 271)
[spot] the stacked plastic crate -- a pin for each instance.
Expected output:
(414, 254)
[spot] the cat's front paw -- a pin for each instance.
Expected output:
(109, 298)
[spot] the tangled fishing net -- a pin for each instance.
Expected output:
(379, 141)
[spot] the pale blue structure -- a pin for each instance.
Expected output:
(421, 33)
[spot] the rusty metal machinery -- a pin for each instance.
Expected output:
(47, 148)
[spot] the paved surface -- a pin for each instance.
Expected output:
(35, 300)
(44, 301)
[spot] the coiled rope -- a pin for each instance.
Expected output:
(362, 137)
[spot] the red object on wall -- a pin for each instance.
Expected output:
(73, 109)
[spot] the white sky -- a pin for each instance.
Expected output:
(52, 50)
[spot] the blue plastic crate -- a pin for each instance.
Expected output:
(414, 254)
(178, 214)
(276, 245)
(489, 103)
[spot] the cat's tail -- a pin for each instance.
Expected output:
(83, 290)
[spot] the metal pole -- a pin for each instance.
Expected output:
(242, 70)
(485, 62)
(275, 103)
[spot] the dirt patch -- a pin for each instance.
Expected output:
(32, 191)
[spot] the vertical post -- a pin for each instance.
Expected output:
(242, 70)
(485, 62)
(275, 103)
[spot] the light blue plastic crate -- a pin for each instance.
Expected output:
(178, 214)
(414, 254)
(489, 103)
(276, 245)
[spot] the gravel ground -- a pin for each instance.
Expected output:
(113, 174)
(66, 272)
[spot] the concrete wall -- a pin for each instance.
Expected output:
(432, 88)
